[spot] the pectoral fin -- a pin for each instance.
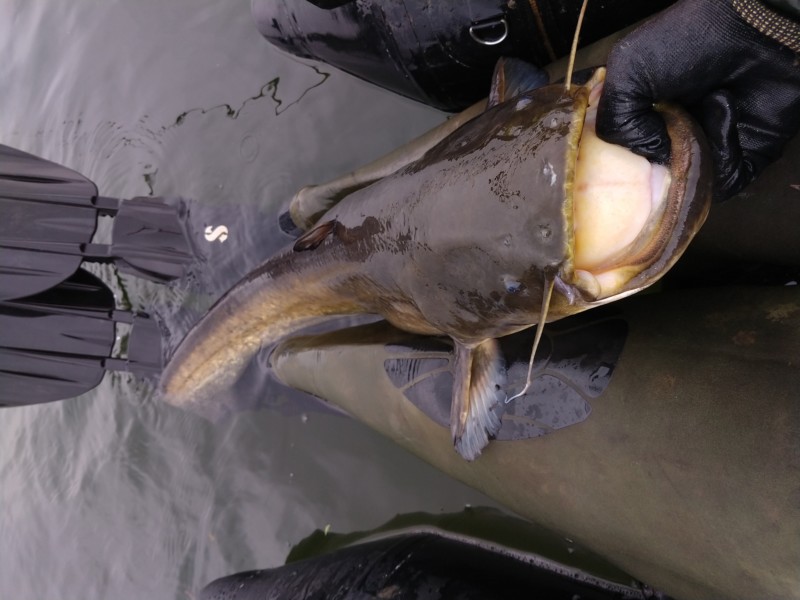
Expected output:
(312, 239)
(478, 379)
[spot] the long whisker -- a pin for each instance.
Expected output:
(548, 293)
(574, 50)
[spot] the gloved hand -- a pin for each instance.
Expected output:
(742, 86)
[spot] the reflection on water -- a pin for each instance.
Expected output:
(115, 495)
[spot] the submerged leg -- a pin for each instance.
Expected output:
(478, 378)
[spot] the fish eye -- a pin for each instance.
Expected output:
(512, 284)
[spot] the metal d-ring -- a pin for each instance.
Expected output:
(475, 32)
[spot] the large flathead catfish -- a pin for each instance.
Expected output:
(520, 215)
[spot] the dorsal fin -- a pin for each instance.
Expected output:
(313, 238)
(513, 77)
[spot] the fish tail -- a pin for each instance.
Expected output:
(287, 293)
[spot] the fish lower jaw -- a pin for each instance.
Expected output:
(606, 285)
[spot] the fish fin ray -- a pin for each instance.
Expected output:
(313, 238)
(513, 77)
(478, 380)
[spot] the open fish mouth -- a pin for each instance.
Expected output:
(632, 219)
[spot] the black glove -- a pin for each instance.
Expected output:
(742, 86)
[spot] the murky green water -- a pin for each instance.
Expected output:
(115, 495)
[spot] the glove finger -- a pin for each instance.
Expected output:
(625, 114)
(718, 117)
(744, 136)
(769, 116)
(634, 124)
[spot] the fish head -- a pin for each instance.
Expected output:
(626, 221)
(526, 194)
